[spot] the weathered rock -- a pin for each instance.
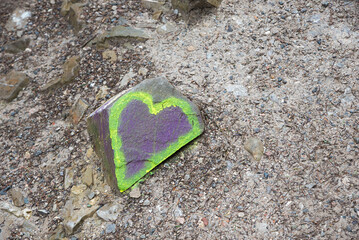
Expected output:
(71, 70)
(69, 178)
(109, 212)
(87, 177)
(17, 197)
(135, 192)
(77, 217)
(78, 110)
(134, 132)
(102, 92)
(17, 46)
(255, 147)
(74, 17)
(78, 189)
(59, 233)
(73, 9)
(26, 213)
(110, 55)
(143, 71)
(118, 32)
(12, 84)
(154, 5)
(18, 20)
(127, 78)
(187, 5)
(166, 28)
(11, 209)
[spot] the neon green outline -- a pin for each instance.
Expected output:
(116, 142)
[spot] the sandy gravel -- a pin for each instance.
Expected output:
(286, 72)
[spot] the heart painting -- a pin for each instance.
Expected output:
(134, 133)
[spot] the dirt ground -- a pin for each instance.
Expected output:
(286, 72)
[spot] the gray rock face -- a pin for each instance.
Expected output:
(12, 84)
(134, 132)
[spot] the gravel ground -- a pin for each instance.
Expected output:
(286, 72)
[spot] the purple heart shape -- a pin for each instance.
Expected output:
(144, 134)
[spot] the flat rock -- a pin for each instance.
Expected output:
(12, 84)
(17, 197)
(110, 55)
(109, 212)
(71, 70)
(87, 177)
(18, 20)
(17, 46)
(69, 178)
(74, 17)
(135, 192)
(78, 110)
(187, 5)
(119, 32)
(134, 132)
(255, 147)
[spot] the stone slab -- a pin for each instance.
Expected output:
(134, 132)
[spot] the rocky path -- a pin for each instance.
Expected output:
(284, 72)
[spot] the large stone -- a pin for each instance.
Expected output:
(187, 5)
(118, 32)
(17, 46)
(134, 132)
(12, 84)
(71, 70)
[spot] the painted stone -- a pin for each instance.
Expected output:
(134, 132)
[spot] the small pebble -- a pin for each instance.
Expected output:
(319, 41)
(229, 29)
(315, 90)
(303, 10)
(38, 153)
(226, 189)
(325, 4)
(146, 202)
(111, 228)
(356, 140)
(266, 175)
(281, 3)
